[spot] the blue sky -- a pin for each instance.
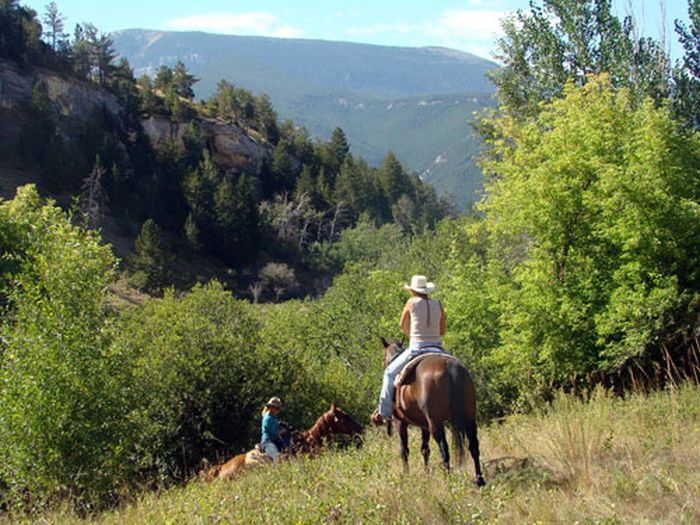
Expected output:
(467, 25)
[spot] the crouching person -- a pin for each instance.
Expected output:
(270, 441)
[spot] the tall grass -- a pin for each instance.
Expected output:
(605, 461)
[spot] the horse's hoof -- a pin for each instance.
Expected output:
(480, 481)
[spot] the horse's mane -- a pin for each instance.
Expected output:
(321, 429)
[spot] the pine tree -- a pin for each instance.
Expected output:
(266, 117)
(192, 233)
(55, 23)
(305, 183)
(338, 149)
(198, 188)
(182, 81)
(164, 79)
(394, 180)
(150, 261)
(283, 168)
(236, 220)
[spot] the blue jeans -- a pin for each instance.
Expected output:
(386, 397)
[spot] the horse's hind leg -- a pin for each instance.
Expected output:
(474, 450)
(403, 436)
(425, 446)
(438, 432)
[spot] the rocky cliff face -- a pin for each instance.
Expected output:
(73, 101)
(231, 148)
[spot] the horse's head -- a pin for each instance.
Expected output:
(391, 350)
(340, 422)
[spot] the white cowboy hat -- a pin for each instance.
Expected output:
(274, 402)
(420, 284)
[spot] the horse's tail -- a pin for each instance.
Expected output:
(459, 376)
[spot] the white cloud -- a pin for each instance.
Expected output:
(472, 24)
(473, 30)
(252, 23)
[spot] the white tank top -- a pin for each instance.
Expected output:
(425, 320)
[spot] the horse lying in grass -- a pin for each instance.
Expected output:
(333, 422)
(434, 389)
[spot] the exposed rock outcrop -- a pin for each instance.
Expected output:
(231, 148)
(74, 100)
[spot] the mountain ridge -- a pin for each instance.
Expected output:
(367, 90)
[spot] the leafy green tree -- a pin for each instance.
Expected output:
(367, 243)
(150, 262)
(81, 53)
(593, 205)
(63, 393)
(686, 96)
(558, 41)
(305, 183)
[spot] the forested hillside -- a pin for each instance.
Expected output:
(580, 269)
(416, 102)
(221, 180)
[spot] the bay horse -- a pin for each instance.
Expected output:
(438, 389)
(331, 423)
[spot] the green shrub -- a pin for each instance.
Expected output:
(62, 426)
(197, 382)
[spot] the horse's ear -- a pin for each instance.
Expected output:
(332, 406)
(384, 342)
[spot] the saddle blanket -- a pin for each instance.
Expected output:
(406, 370)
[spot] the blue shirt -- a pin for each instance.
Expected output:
(270, 428)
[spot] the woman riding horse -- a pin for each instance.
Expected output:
(437, 389)
(423, 321)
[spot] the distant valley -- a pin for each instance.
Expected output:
(416, 102)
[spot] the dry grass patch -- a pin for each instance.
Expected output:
(607, 461)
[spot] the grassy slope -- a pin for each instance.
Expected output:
(609, 461)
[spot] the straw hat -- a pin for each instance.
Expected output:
(275, 402)
(420, 284)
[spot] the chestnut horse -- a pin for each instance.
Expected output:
(437, 390)
(331, 423)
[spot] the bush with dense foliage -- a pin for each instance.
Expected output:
(593, 208)
(62, 426)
